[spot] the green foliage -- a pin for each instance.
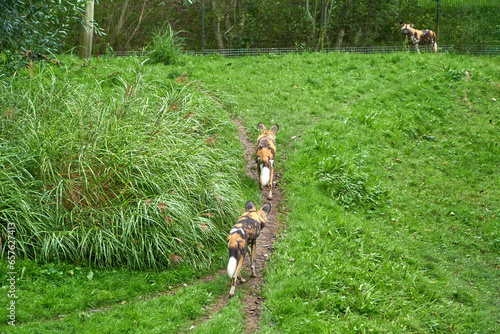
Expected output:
(290, 23)
(144, 313)
(39, 26)
(115, 167)
(166, 47)
(46, 290)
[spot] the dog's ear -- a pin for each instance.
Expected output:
(266, 208)
(261, 126)
(274, 129)
(411, 25)
(401, 23)
(250, 206)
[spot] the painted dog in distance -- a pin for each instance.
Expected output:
(417, 37)
(264, 156)
(244, 235)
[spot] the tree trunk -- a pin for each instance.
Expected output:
(217, 6)
(218, 33)
(119, 25)
(87, 31)
(141, 17)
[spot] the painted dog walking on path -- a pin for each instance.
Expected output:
(264, 156)
(417, 37)
(242, 236)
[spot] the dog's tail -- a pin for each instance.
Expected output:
(265, 172)
(231, 266)
(435, 46)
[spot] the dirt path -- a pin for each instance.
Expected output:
(252, 303)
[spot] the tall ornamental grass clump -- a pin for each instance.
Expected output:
(165, 47)
(115, 168)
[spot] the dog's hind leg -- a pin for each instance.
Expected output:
(259, 171)
(252, 257)
(270, 195)
(238, 271)
(237, 274)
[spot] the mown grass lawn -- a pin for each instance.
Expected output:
(391, 169)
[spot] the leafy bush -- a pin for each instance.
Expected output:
(39, 26)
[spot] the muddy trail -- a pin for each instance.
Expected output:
(253, 300)
(252, 288)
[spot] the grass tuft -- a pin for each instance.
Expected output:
(115, 169)
(165, 47)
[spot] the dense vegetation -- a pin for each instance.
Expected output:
(389, 162)
(38, 26)
(113, 165)
(297, 23)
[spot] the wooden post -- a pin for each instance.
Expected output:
(87, 31)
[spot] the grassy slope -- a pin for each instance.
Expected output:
(115, 89)
(409, 243)
(408, 265)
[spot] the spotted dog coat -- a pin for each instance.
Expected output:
(417, 37)
(244, 234)
(264, 156)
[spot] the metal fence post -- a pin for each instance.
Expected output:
(322, 37)
(438, 16)
(203, 27)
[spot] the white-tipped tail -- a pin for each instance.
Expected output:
(435, 47)
(265, 175)
(231, 267)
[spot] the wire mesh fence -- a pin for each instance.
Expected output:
(234, 28)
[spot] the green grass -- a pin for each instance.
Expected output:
(162, 314)
(108, 167)
(48, 291)
(390, 167)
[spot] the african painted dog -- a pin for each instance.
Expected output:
(264, 156)
(417, 37)
(244, 234)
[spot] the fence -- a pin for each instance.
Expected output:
(265, 26)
